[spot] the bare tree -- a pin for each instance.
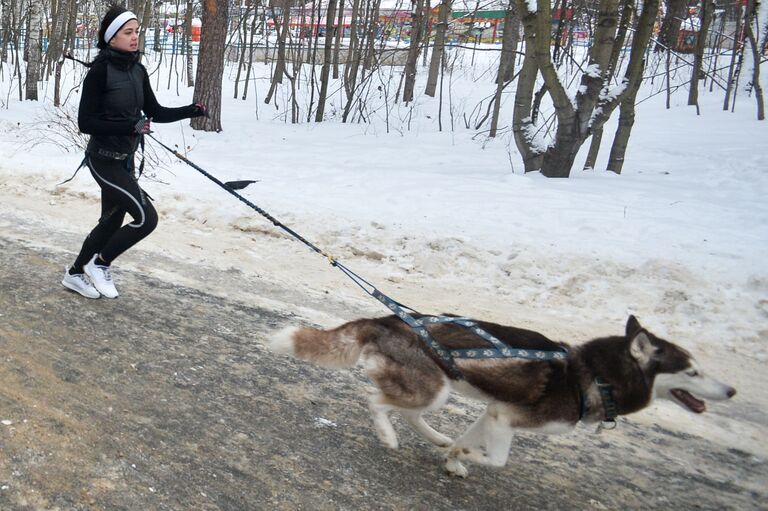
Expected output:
(632, 80)
(210, 64)
(5, 28)
(750, 29)
(327, 60)
(443, 14)
(573, 117)
(281, 27)
(67, 23)
(705, 15)
(670, 25)
(188, 41)
(523, 127)
(626, 16)
(506, 61)
(354, 57)
(413, 52)
(34, 47)
(337, 40)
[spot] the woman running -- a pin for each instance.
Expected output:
(116, 106)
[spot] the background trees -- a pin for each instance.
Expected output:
(546, 76)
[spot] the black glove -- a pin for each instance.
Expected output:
(142, 127)
(199, 110)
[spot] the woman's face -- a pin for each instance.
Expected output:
(127, 38)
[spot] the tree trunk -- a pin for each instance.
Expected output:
(354, 56)
(437, 52)
(188, 39)
(5, 28)
(34, 48)
(707, 9)
(249, 69)
(670, 25)
(325, 73)
(522, 125)
(145, 15)
(510, 40)
(210, 64)
(573, 124)
(282, 32)
(627, 12)
(56, 35)
(749, 32)
(370, 36)
(337, 40)
(506, 61)
(413, 52)
(736, 50)
(633, 80)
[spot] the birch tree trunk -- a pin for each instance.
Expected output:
(188, 39)
(325, 73)
(34, 48)
(5, 28)
(444, 12)
(210, 64)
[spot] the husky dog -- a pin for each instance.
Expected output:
(595, 382)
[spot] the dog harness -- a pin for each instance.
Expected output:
(448, 356)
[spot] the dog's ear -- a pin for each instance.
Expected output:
(633, 327)
(642, 348)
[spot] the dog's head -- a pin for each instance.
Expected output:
(676, 376)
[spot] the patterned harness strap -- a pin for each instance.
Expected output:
(421, 331)
(499, 350)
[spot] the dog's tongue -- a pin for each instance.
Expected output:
(693, 404)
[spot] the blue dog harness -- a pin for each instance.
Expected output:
(447, 356)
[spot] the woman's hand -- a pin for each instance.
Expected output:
(199, 110)
(142, 127)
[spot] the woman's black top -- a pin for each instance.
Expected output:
(115, 92)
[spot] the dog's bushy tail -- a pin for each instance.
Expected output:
(335, 349)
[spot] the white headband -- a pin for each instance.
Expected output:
(117, 24)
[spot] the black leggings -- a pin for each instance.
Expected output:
(120, 194)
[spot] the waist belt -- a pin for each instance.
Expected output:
(112, 154)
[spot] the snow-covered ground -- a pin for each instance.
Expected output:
(447, 222)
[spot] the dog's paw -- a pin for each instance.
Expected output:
(388, 437)
(442, 441)
(455, 468)
(390, 443)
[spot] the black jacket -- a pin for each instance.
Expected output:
(115, 92)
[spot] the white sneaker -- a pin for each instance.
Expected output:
(79, 283)
(101, 277)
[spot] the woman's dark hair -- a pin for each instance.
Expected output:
(112, 13)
